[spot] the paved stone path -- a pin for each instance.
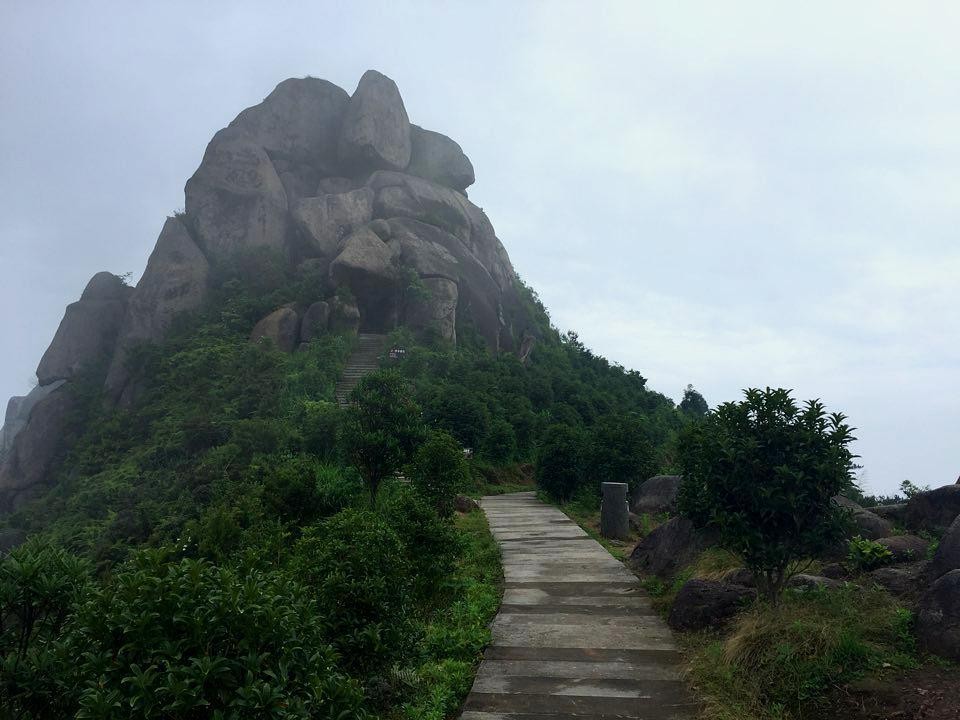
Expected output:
(575, 636)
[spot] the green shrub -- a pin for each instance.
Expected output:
(430, 542)
(382, 428)
(186, 639)
(561, 461)
(866, 554)
(439, 470)
(357, 569)
(763, 472)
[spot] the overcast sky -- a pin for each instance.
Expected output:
(724, 194)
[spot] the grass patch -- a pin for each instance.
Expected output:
(455, 635)
(779, 662)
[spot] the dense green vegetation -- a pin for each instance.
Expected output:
(236, 545)
(763, 472)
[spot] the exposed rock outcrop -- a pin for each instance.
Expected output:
(938, 617)
(656, 495)
(36, 449)
(947, 556)
(668, 548)
(905, 548)
(18, 413)
(88, 332)
(439, 159)
(376, 131)
(235, 200)
(175, 281)
(370, 210)
(281, 327)
(933, 510)
(707, 603)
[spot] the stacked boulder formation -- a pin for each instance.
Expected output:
(342, 187)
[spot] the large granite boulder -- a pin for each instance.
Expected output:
(36, 450)
(670, 547)
(326, 220)
(895, 513)
(947, 556)
(281, 327)
(938, 617)
(656, 495)
(437, 311)
(365, 263)
(933, 510)
(402, 195)
(18, 413)
(903, 581)
(300, 122)
(905, 548)
(707, 603)
(315, 321)
(375, 134)
(865, 523)
(479, 297)
(175, 281)
(88, 332)
(235, 200)
(439, 159)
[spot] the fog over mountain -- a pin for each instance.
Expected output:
(726, 198)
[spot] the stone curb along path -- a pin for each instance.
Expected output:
(576, 636)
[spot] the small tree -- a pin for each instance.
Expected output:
(438, 471)
(693, 402)
(382, 428)
(763, 472)
(561, 461)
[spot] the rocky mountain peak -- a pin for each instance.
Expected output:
(342, 184)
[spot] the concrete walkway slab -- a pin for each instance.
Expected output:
(576, 637)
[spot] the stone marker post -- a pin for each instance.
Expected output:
(614, 511)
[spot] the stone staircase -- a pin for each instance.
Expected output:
(363, 361)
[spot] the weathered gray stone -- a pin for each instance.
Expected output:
(871, 526)
(315, 321)
(739, 576)
(464, 504)
(478, 293)
(905, 548)
(938, 617)
(88, 332)
(933, 510)
(670, 547)
(894, 513)
(344, 316)
(281, 328)
(614, 512)
(835, 571)
(707, 603)
(375, 133)
(381, 228)
(300, 119)
(438, 311)
(326, 220)
(803, 581)
(18, 413)
(656, 495)
(235, 200)
(439, 159)
(36, 450)
(365, 263)
(402, 195)
(174, 282)
(947, 557)
(334, 186)
(904, 581)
